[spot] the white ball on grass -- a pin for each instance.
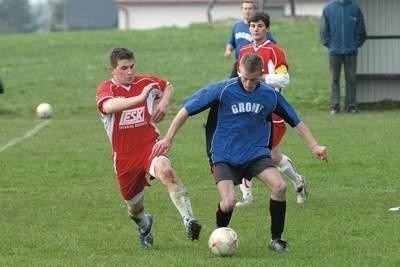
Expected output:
(223, 241)
(44, 111)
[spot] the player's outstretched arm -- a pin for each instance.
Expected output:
(319, 151)
(117, 104)
(163, 146)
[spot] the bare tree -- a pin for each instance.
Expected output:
(209, 9)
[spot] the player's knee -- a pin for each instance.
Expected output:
(167, 176)
(279, 188)
(228, 204)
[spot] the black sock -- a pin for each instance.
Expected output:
(277, 210)
(223, 218)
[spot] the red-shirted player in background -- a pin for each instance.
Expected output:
(276, 75)
(129, 111)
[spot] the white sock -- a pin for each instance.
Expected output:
(286, 166)
(140, 219)
(181, 200)
(246, 188)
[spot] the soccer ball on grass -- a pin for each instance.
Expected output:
(223, 241)
(44, 111)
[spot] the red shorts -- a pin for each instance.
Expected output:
(278, 129)
(131, 170)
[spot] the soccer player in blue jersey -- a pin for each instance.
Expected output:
(239, 147)
(240, 34)
(277, 76)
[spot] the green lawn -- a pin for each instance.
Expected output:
(59, 203)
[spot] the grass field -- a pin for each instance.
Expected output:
(59, 203)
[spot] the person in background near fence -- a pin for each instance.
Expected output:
(342, 31)
(240, 34)
(275, 74)
(239, 147)
(125, 103)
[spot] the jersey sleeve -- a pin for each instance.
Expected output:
(286, 111)
(203, 99)
(104, 92)
(162, 83)
(281, 62)
(231, 40)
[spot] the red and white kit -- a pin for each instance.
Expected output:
(131, 156)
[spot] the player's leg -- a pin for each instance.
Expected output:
(224, 178)
(335, 65)
(350, 69)
(161, 168)
(287, 167)
(285, 163)
(247, 193)
(132, 182)
(226, 206)
(144, 221)
(277, 207)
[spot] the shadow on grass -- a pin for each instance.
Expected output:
(384, 105)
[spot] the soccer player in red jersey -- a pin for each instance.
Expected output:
(130, 105)
(276, 75)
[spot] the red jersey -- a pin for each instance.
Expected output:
(273, 57)
(269, 52)
(133, 128)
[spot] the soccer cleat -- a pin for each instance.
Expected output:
(352, 110)
(146, 238)
(193, 228)
(302, 193)
(334, 111)
(246, 202)
(279, 245)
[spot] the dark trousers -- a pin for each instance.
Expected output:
(350, 67)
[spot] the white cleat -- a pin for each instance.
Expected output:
(395, 209)
(302, 193)
(246, 202)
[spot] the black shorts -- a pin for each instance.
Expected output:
(225, 171)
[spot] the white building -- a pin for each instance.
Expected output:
(148, 14)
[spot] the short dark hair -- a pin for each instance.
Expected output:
(120, 53)
(252, 63)
(260, 15)
(249, 2)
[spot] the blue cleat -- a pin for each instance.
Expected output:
(146, 238)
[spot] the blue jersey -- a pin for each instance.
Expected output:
(242, 128)
(240, 36)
